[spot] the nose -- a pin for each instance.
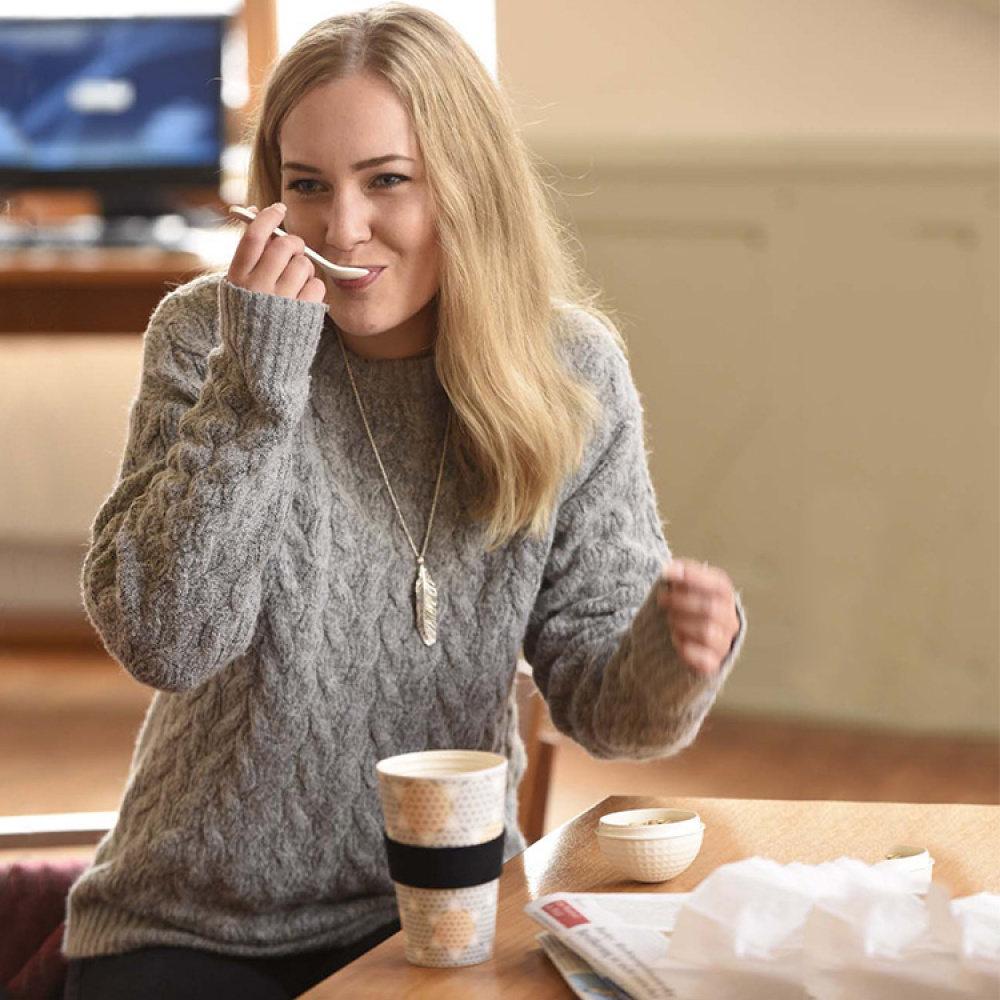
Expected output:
(348, 222)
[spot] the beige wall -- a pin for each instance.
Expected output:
(643, 70)
(793, 207)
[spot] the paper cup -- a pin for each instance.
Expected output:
(444, 824)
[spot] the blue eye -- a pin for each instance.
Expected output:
(296, 186)
(397, 177)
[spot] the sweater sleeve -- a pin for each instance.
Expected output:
(598, 642)
(172, 579)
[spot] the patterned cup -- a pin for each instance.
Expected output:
(444, 823)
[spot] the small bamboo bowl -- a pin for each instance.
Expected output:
(651, 845)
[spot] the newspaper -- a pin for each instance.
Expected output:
(622, 936)
(580, 977)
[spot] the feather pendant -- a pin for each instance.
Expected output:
(427, 606)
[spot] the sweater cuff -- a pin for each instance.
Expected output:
(273, 338)
(652, 644)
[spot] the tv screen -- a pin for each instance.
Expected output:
(92, 99)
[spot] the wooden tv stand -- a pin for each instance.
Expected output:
(91, 290)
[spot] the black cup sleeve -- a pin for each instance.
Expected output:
(445, 867)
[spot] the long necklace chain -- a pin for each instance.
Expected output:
(425, 590)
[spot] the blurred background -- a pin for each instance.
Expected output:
(793, 209)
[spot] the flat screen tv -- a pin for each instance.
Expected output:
(125, 106)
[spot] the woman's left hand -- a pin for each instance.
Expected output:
(701, 608)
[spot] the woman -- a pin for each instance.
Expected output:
(344, 510)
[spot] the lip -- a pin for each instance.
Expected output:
(357, 284)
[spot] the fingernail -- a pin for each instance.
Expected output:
(281, 207)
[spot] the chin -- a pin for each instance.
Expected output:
(354, 331)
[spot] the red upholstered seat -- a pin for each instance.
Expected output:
(32, 916)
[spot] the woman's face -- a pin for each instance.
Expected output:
(363, 214)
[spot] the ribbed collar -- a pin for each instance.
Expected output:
(382, 377)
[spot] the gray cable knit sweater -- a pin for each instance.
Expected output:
(250, 567)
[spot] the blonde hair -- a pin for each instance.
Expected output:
(508, 267)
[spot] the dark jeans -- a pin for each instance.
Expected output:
(192, 974)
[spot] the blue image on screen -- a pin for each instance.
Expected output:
(110, 93)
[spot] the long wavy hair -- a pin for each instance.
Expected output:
(508, 264)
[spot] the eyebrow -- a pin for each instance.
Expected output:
(375, 161)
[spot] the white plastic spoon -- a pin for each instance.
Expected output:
(336, 270)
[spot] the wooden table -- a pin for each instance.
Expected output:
(962, 839)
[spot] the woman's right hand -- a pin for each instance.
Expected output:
(275, 265)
